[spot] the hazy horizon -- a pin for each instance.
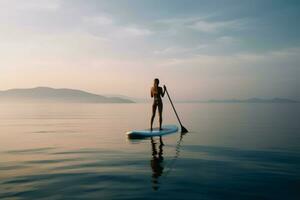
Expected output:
(208, 50)
(35, 92)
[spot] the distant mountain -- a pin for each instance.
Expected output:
(137, 100)
(250, 100)
(47, 94)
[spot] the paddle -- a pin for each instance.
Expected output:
(183, 129)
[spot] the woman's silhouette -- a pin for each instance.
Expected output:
(157, 93)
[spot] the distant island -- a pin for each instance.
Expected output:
(47, 94)
(250, 100)
(135, 99)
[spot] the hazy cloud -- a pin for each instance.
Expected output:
(135, 31)
(108, 25)
(100, 20)
(267, 59)
(204, 24)
(31, 5)
(219, 43)
(213, 27)
(175, 50)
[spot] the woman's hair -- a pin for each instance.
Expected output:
(156, 81)
(155, 86)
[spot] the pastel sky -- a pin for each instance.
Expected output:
(199, 49)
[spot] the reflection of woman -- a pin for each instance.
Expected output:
(157, 92)
(156, 162)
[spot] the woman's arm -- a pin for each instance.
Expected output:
(163, 91)
(151, 91)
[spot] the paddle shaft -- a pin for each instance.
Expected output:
(173, 107)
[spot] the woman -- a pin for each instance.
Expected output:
(156, 93)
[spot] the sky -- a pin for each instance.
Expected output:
(199, 49)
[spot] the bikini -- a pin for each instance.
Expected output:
(157, 99)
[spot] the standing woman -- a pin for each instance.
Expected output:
(157, 93)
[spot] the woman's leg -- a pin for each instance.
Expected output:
(153, 114)
(160, 110)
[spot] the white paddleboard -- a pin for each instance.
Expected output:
(167, 129)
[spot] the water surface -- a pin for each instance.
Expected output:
(76, 151)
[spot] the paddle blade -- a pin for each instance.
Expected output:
(183, 129)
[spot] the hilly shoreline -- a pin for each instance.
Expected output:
(48, 94)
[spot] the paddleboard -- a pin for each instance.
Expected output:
(167, 129)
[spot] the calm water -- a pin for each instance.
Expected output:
(233, 151)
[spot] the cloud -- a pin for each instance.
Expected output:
(135, 31)
(281, 58)
(100, 20)
(203, 24)
(214, 27)
(171, 50)
(206, 47)
(227, 40)
(109, 26)
(31, 5)
(175, 50)
(180, 21)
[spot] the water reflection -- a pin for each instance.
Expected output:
(157, 160)
(157, 164)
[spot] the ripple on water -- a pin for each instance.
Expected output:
(216, 172)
